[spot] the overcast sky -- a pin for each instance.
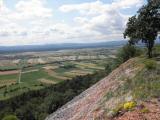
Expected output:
(24, 22)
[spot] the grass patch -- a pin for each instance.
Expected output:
(145, 85)
(6, 68)
(150, 64)
(9, 77)
(33, 77)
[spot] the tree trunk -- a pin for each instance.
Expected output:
(150, 45)
(149, 53)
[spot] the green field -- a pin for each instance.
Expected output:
(37, 76)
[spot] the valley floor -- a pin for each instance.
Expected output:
(24, 72)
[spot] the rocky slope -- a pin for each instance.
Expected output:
(88, 105)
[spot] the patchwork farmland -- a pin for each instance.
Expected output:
(23, 72)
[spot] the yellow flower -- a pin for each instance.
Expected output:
(129, 105)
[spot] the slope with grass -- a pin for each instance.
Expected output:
(128, 87)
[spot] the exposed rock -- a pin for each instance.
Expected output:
(84, 106)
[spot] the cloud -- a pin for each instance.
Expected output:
(91, 8)
(32, 22)
(20, 21)
(31, 9)
(105, 19)
(123, 4)
(85, 8)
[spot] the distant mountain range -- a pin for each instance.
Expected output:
(54, 47)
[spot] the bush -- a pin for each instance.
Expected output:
(10, 117)
(68, 66)
(117, 110)
(150, 64)
(127, 52)
(124, 54)
(121, 108)
(144, 110)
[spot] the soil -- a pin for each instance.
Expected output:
(152, 112)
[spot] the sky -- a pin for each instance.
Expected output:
(34, 22)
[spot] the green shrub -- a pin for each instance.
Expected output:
(118, 108)
(10, 117)
(115, 112)
(144, 110)
(124, 54)
(68, 66)
(122, 107)
(150, 64)
(127, 52)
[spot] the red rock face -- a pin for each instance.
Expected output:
(84, 106)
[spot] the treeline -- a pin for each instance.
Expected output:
(36, 105)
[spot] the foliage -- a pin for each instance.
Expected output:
(121, 107)
(145, 25)
(124, 54)
(10, 117)
(68, 66)
(127, 52)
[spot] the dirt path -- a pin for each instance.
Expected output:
(11, 72)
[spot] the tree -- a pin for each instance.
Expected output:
(145, 25)
(128, 51)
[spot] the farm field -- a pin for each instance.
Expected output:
(23, 72)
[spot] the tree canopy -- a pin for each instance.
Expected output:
(145, 25)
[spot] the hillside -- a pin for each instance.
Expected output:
(113, 96)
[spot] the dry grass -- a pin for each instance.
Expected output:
(7, 82)
(46, 81)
